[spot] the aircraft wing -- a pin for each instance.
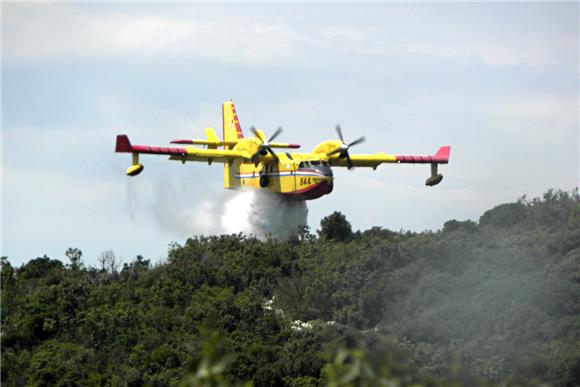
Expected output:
(374, 160)
(188, 153)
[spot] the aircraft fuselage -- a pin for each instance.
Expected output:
(292, 179)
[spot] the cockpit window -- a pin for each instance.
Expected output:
(311, 163)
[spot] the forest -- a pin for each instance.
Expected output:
(492, 302)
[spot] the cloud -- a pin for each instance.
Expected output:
(49, 33)
(500, 49)
(540, 35)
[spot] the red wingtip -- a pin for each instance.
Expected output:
(442, 154)
(123, 144)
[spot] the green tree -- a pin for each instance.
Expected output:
(457, 225)
(75, 257)
(496, 301)
(504, 215)
(335, 227)
(62, 364)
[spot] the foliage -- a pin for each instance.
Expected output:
(335, 227)
(75, 258)
(475, 303)
(61, 364)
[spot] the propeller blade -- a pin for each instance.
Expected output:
(337, 150)
(276, 133)
(255, 156)
(339, 131)
(257, 134)
(272, 152)
(358, 141)
(343, 149)
(348, 161)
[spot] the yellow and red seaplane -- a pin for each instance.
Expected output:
(251, 162)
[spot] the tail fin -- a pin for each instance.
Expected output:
(231, 125)
(232, 131)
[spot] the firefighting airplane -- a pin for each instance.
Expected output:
(251, 162)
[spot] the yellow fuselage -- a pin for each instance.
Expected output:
(295, 176)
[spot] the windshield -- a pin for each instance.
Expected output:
(312, 163)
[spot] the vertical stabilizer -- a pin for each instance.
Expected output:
(231, 125)
(232, 131)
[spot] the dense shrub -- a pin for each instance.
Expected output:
(494, 302)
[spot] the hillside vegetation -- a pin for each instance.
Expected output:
(497, 301)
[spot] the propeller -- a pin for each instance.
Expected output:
(265, 147)
(342, 150)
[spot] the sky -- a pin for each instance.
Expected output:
(498, 82)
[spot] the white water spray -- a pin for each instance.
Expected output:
(262, 214)
(187, 211)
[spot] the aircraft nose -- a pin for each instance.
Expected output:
(325, 170)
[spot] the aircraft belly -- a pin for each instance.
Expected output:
(312, 191)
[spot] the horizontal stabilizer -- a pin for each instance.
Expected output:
(123, 145)
(283, 145)
(229, 143)
(203, 142)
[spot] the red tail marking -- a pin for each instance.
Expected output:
(237, 122)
